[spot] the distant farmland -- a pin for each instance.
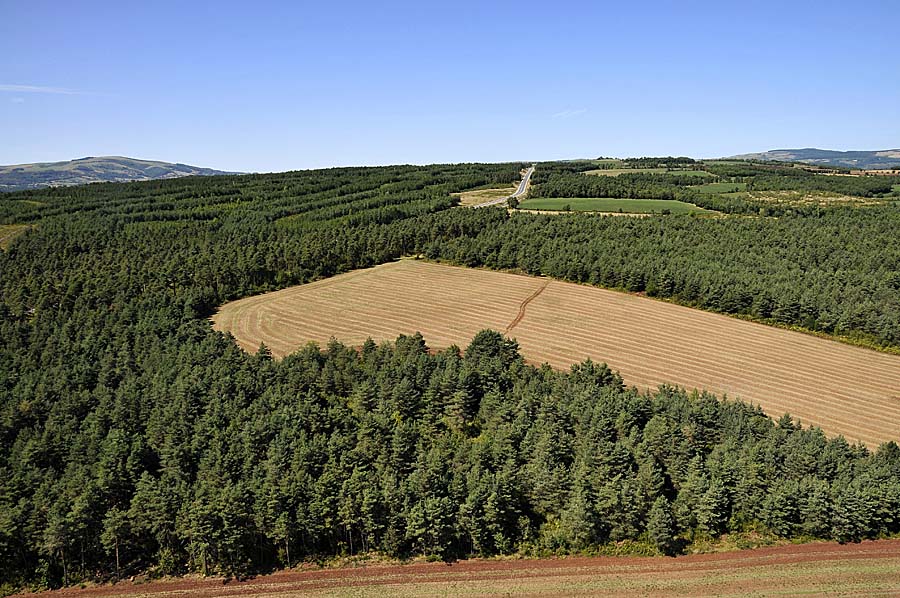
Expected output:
(611, 204)
(843, 389)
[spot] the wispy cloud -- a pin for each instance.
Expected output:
(39, 89)
(569, 113)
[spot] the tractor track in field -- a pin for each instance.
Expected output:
(523, 305)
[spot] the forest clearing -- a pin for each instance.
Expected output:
(865, 569)
(842, 389)
(477, 196)
(8, 232)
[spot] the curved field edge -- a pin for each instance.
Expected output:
(867, 568)
(843, 389)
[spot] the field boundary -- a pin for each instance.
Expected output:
(841, 388)
(817, 568)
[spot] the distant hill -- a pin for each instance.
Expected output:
(873, 160)
(93, 170)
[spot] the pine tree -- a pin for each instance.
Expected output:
(661, 526)
(115, 529)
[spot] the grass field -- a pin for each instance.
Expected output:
(844, 389)
(8, 232)
(721, 187)
(477, 196)
(618, 171)
(608, 204)
(865, 569)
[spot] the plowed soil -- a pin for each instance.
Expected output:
(843, 389)
(866, 569)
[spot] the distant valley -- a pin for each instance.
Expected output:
(93, 170)
(864, 160)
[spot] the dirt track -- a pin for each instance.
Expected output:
(866, 569)
(524, 305)
(845, 390)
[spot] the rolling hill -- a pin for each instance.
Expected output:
(93, 170)
(867, 160)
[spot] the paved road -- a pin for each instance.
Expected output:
(518, 192)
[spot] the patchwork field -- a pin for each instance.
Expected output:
(843, 389)
(866, 569)
(611, 204)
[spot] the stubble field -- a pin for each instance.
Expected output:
(843, 389)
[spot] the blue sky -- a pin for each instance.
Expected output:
(271, 86)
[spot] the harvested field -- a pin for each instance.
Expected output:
(866, 569)
(843, 389)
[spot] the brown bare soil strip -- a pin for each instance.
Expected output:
(841, 388)
(865, 569)
(522, 307)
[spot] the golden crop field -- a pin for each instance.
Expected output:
(843, 389)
